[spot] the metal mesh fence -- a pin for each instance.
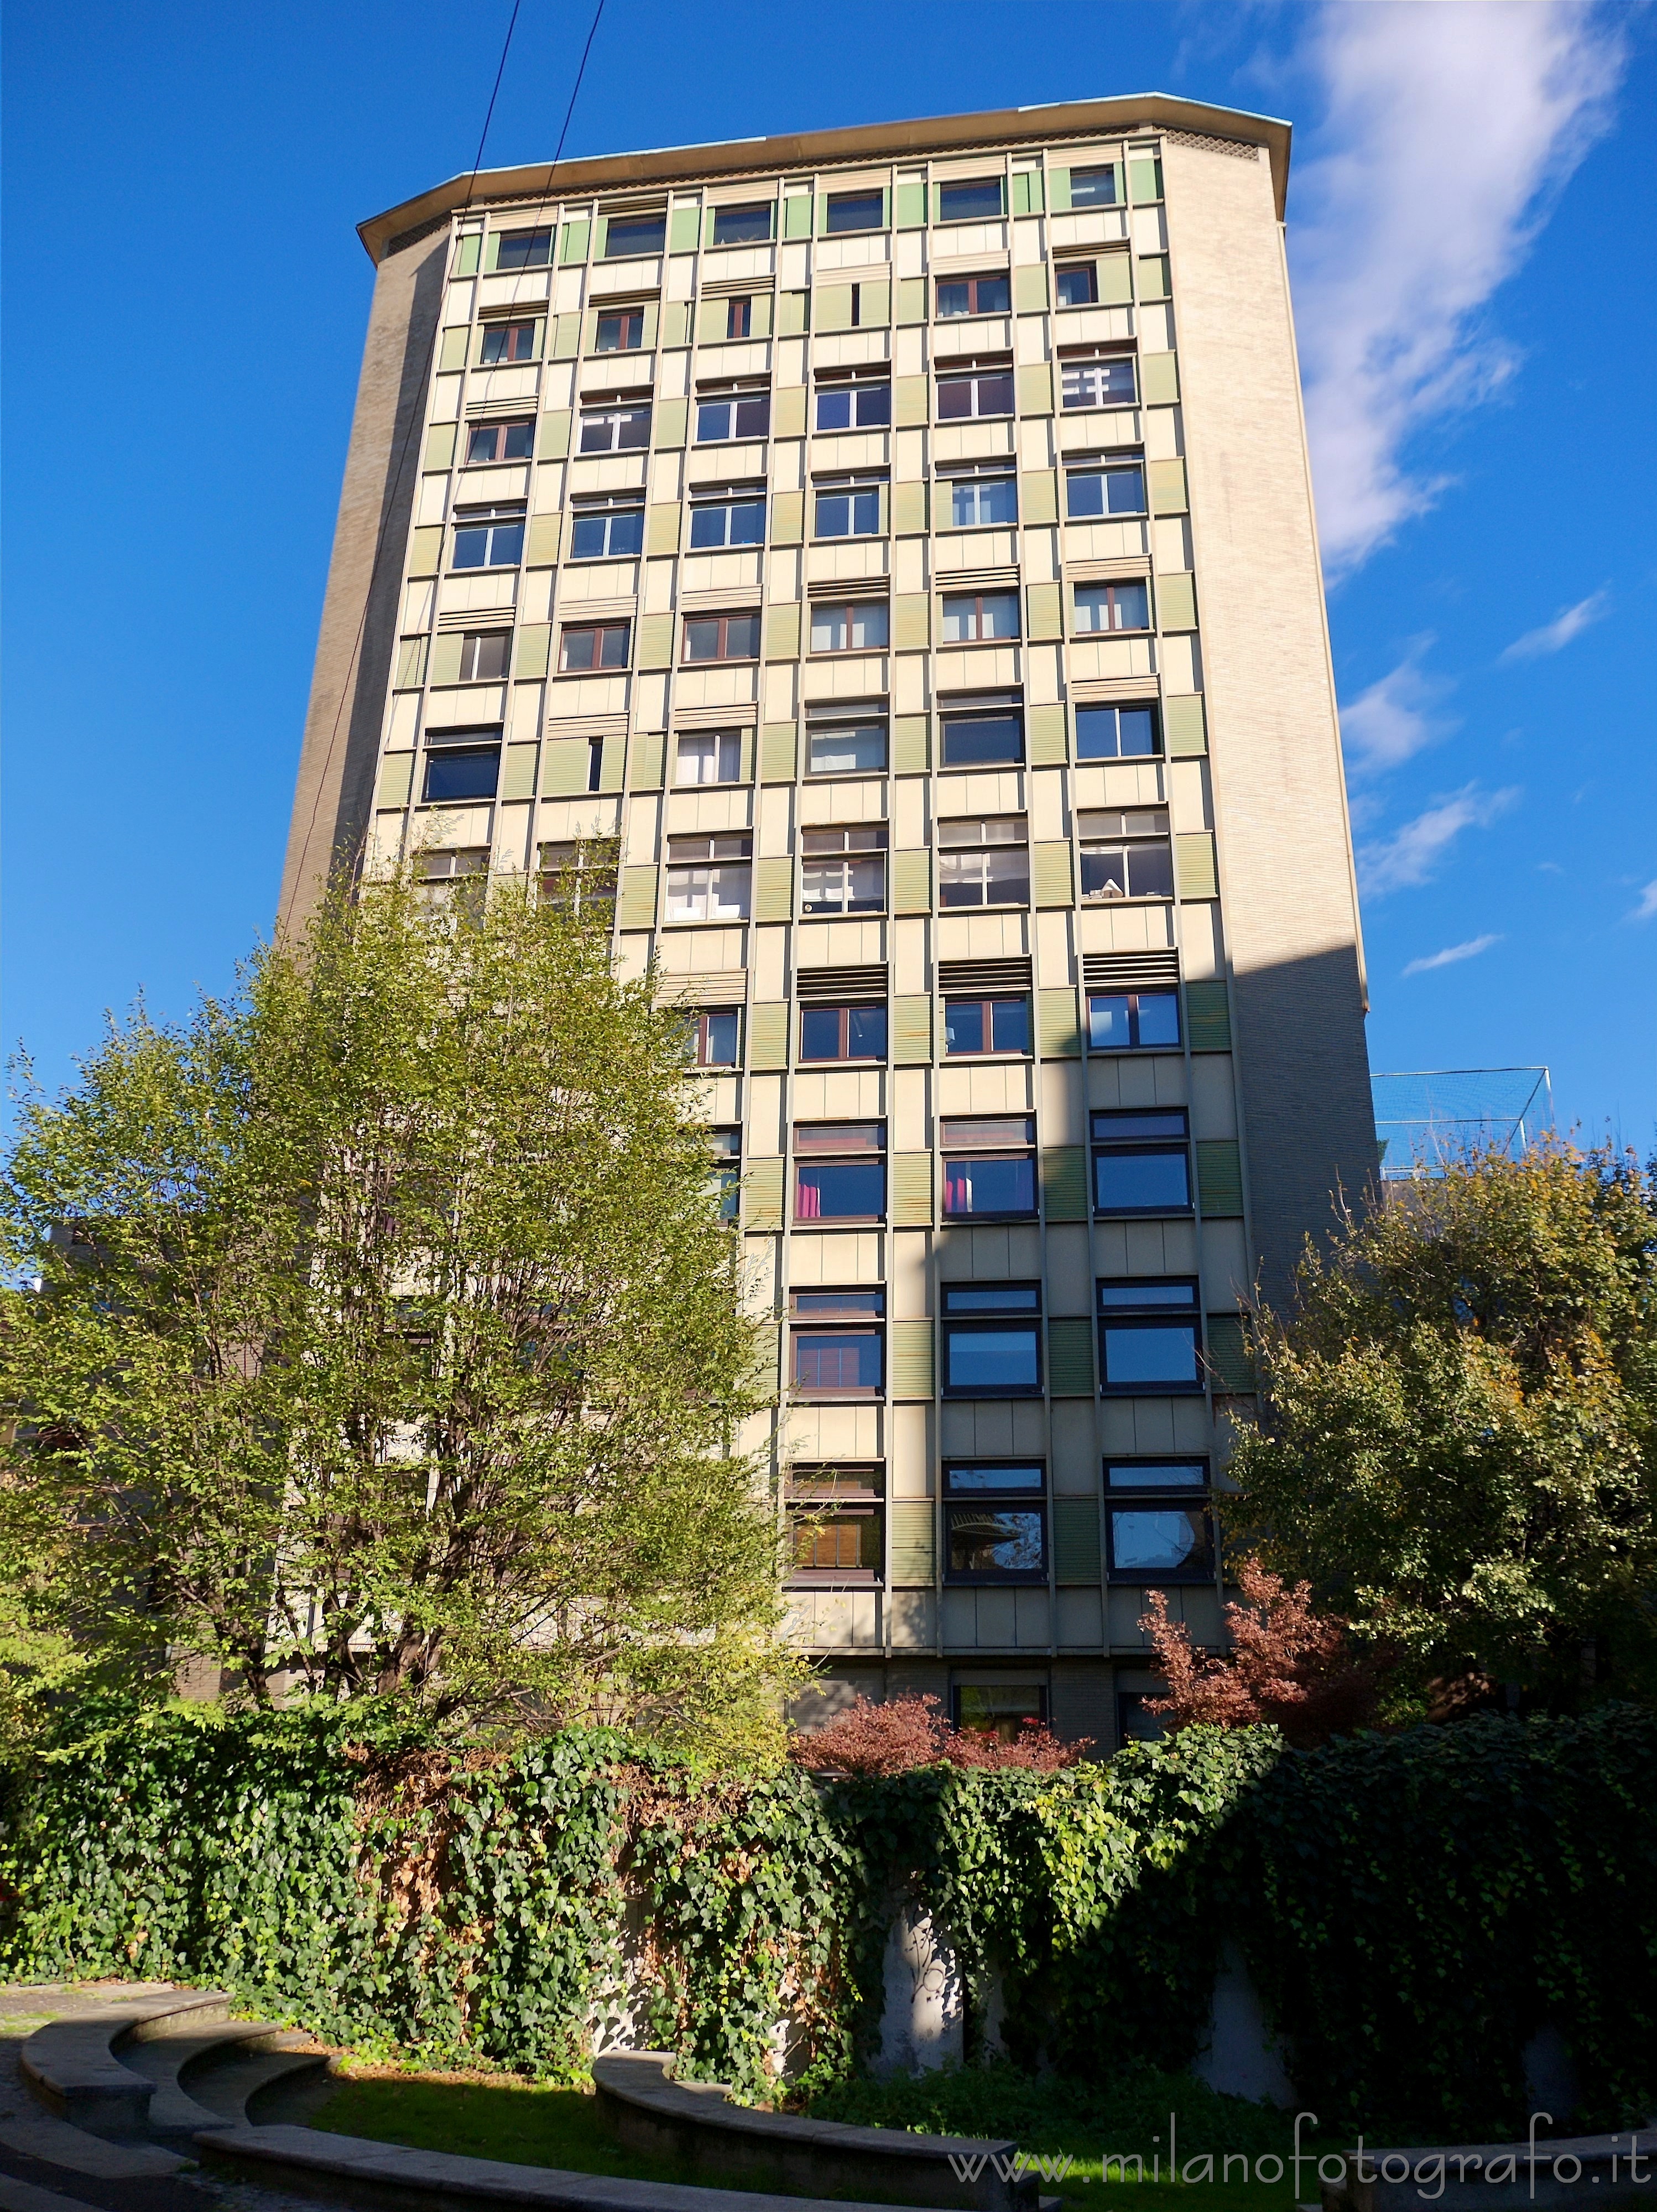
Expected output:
(1428, 1117)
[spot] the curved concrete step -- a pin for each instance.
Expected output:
(69, 2065)
(260, 2087)
(165, 2048)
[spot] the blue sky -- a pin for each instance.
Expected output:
(1472, 212)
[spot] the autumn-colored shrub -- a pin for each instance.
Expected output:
(905, 1732)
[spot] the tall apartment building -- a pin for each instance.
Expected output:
(900, 539)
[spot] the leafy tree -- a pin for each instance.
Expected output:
(902, 1734)
(384, 1338)
(1460, 1449)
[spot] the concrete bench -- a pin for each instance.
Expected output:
(1501, 2177)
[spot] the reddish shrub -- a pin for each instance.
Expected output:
(905, 1732)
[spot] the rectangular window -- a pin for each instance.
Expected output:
(607, 530)
(1150, 1339)
(854, 211)
(506, 342)
(1077, 285)
(710, 757)
(744, 225)
(1141, 1162)
(458, 873)
(989, 1166)
(972, 1026)
(854, 406)
(722, 637)
(488, 537)
(848, 749)
(581, 877)
(726, 1148)
(716, 1036)
(1112, 606)
(1158, 1527)
(1116, 733)
(615, 429)
(983, 862)
(996, 1522)
(984, 740)
(838, 1345)
(1092, 494)
(991, 1336)
(499, 442)
(1104, 383)
(524, 249)
(1134, 1021)
(840, 1170)
(1127, 853)
(977, 618)
(708, 877)
(983, 200)
(843, 870)
(484, 654)
(628, 235)
(739, 317)
(586, 646)
(974, 295)
(1093, 187)
(987, 392)
(1003, 1709)
(461, 771)
(836, 1523)
(623, 332)
(846, 506)
(731, 416)
(977, 502)
(842, 1032)
(734, 519)
(859, 626)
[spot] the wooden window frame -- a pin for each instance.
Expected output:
(597, 630)
(845, 1056)
(977, 378)
(986, 1007)
(500, 432)
(845, 608)
(1111, 587)
(722, 623)
(973, 306)
(528, 238)
(949, 600)
(513, 333)
(631, 319)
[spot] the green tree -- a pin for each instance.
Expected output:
(378, 1333)
(1460, 1446)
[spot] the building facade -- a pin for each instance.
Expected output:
(901, 541)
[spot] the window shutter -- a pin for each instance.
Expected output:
(491, 253)
(1115, 280)
(1044, 733)
(612, 762)
(662, 535)
(566, 777)
(788, 518)
(768, 1036)
(1060, 1032)
(908, 402)
(1059, 191)
(1159, 379)
(1168, 488)
(914, 1522)
(396, 780)
(1153, 277)
(1046, 615)
(909, 203)
(768, 1354)
(912, 1190)
(745, 750)
(1195, 871)
(1027, 192)
(681, 227)
(552, 438)
(652, 324)
(1230, 1361)
(712, 321)
(912, 298)
(912, 1360)
(1076, 1539)
(541, 543)
(1145, 181)
(1070, 1358)
(445, 663)
(788, 412)
(1064, 1183)
(778, 752)
(774, 889)
(794, 310)
(797, 214)
(565, 337)
(875, 302)
(1050, 875)
(411, 662)
(533, 650)
(911, 883)
(452, 352)
(465, 260)
(573, 243)
(601, 238)
(911, 621)
(782, 632)
(1176, 601)
(831, 308)
(908, 508)
(518, 772)
(910, 748)
(1029, 286)
(1208, 1017)
(426, 550)
(912, 1032)
(1182, 726)
(1035, 389)
(676, 322)
(1219, 1179)
(670, 420)
(1038, 495)
(649, 760)
(762, 1195)
(655, 641)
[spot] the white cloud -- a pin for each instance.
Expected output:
(1451, 126)
(1646, 908)
(1393, 720)
(1451, 954)
(1553, 636)
(1409, 855)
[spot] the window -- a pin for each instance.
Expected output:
(484, 654)
(982, 1025)
(847, 749)
(607, 530)
(586, 646)
(1003, 1709)
(975, 618)
(488, 537)
(843, 870)
(980, 201)
(732, 415)
(1140, 1162)
(1135, 1723)
(744, 225)
(847, 507)
(735, 518)
(858, 405)
(976, 501)
(1079, 285)
(840, 1170)
(842, 1032)
(459, 767)
(1093, 492)
(716, 1035)
(459, 870)
(836, 1524)
(623, 332)
(989, 1165)
(1116, 733)
(1112, 606)
(524, 249)
(499, 442)
(1093, 187)
(839, 1345)
(739, 317)
(987, 391)
(1133, 1021)
(1104, 383)
(859, 626)
(726, 1148)
(1157, 1524)
(995, 1522)
(974, 295)
(710, 757)
(983, 862)
(506, 342)
(634, 234)
(1149, 1337)
(615, 429)
(992, 1339)
(722, 637)
(578, 876)
(854, 211)
(1126, 853)
(708, 878)
(982, 739)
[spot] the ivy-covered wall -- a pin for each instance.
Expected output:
(1411, 1908)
